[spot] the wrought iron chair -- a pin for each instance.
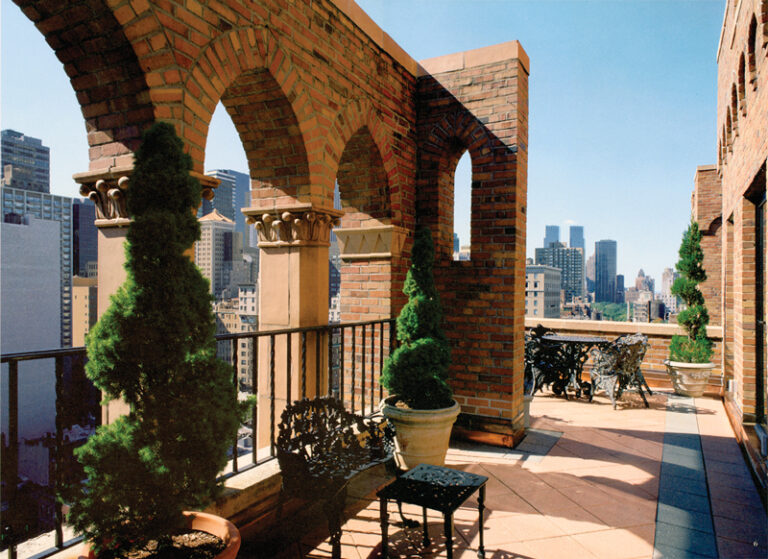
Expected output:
(616, 367)
(320, 447)
(544, 363)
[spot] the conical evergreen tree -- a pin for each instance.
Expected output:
(695, 347)
(154, 348)
(416, 372)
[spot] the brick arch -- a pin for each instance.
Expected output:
(104, 71)
(361, 160)
(440, 152)
(741, 78)
(752, 48)
(734, 110)
(248, 71)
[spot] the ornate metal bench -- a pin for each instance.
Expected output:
(320, 447)
(616, 367)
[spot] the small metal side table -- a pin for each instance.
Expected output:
(437, 488)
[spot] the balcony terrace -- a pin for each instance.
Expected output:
(664, 481)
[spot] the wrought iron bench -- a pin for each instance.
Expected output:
(540, 366)
(616, 367)
(320, 447)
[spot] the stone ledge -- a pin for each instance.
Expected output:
(610, 327)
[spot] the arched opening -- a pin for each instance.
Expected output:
(462, 208)
(728, 130)
(734, 111)
(271, 138)
(48, 239)
(742, 90)
(363, 185)
(751, 50)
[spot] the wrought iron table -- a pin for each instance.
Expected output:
(437, 488)
(562, 359)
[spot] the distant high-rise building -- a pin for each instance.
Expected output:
(570, 262)
(29, 298)
(84, 237)
(24, 162)
(49, 207)
(668, 277)
(605, 271)
(589, 273)
(456, 245)
(542, 291)
(576, 239)
(213, 252)
(619, 288)
(551, 235)
(232, 195)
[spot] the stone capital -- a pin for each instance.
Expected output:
(107, 187)
(294, 225)
(369, 243)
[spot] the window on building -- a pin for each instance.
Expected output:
(751, 50)
(462, 208)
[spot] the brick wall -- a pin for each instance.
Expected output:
(484, 297)
(706, 206)
(742, 113)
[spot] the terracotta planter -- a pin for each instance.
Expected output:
(689, 379)
(216, 525)
(421, 436)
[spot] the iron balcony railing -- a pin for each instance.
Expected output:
(342, 360)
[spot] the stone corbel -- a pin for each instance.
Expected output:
(297, 225)
(370, 243)
(106, 189)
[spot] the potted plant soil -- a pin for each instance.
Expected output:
(154, 348)
(689, 363)
(421, 405)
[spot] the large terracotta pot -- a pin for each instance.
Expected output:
(689, 379)
(203, 521)
(421, 436)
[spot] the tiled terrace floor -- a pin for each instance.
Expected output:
(590, 482)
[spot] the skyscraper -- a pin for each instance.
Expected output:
(577, 237)
(570, 261)
(605, 271)
(24, 162)
(49, 207)
(551, 235)
(84, 237)
(213, 252)
(232, 195)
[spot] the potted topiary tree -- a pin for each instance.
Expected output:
(689, 363)
(154, 348)
(421, 405)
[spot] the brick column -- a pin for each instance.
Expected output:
(370, 258)
(293, 293)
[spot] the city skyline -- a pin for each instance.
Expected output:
(630, 70)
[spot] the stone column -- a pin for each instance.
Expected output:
(293, 293)
(106, 188)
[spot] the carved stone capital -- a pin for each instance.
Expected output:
(368, 243)
(107, 189)
(298, 225)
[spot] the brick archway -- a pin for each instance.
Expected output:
(440, 151)
(105, 73)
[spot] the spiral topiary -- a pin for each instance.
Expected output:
(154, 348)
(695, 347)
(416, 372)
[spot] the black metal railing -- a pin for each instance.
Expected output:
(343, 360)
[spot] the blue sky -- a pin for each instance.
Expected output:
(622, 108)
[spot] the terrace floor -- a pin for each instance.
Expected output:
(587, 482)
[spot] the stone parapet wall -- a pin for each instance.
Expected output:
(659, 336)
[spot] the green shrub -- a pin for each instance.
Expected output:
(416, 372)
(154, 348)
(695, 347)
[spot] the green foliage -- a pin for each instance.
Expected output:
(695, 347)
(154, 348)
(611, 311)
(416, 372)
